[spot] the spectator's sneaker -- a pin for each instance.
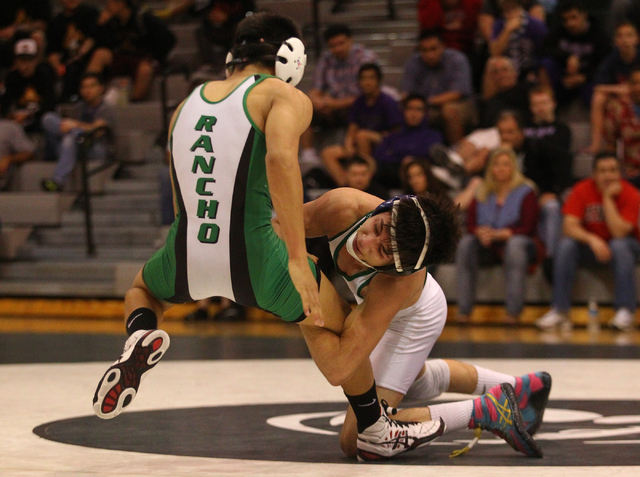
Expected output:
(49, 185)
(119, 385)
(497, 411)
(623, 320)
(532, 392)
(198, 315)
(387, 438)
(440, 157)
(552, 319)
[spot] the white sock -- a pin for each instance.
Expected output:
(488, 379)
(456, 415)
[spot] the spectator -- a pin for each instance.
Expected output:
(621, 11)
(491, 11)
(18, 20)
(501, 90)
(611, 78)
(215, 33)
(414, 139)
(443, 77)
(372, 116)
(600, 228)
(62, 133)
(70, 42)
(359, 174)
(622, 122)
(469, 156)
(131, 42)
(417, 177)
(501, 223)
(518, 36)
(573, 51)
(544, 124)
(549, 167)
(15, 148)
(335, 85)
(29, 91)
(456, 19)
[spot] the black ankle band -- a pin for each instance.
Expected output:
(366, 408)
(141, 319)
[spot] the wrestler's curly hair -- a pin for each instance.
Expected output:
(445, 227)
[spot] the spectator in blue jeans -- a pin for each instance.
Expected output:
(600, 225)
(501, 223)
(62, 133)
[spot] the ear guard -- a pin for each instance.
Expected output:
(391, 205)
(290, 61)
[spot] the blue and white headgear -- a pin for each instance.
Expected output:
(398, 268)
(290, 60)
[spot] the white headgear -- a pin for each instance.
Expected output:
(290, 61)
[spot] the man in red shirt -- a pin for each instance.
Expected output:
(456, 19)
(600, 227)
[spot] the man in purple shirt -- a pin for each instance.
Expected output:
(413, 141)
(372, 116)
(443, 76)
(518, 36)
(335, 83)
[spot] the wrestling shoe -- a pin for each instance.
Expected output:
(497, 411)
(532, 392)
(119, 385)
(387, 438)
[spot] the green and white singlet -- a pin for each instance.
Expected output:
(222, 242)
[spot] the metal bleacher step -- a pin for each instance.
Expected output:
(58, 270)
(123, 204)
(131, 186)
(149, 171)
(78, 253)
(144, 218)
(57, 288)
(122, 236)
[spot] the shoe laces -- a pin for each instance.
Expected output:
(477, 432)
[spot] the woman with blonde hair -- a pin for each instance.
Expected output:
(502, 223)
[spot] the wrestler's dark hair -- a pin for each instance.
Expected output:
(259, 37)
(445, 225)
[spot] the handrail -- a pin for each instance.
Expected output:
(84, 141)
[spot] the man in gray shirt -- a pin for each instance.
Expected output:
(61, 133)
(443, 76)
(15, 147)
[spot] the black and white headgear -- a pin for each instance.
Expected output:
(397, 268)
(290, 60)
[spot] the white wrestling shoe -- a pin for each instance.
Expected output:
(387, 438)
(119, 385)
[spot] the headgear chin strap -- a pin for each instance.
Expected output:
(290, 61)
(391, 205)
